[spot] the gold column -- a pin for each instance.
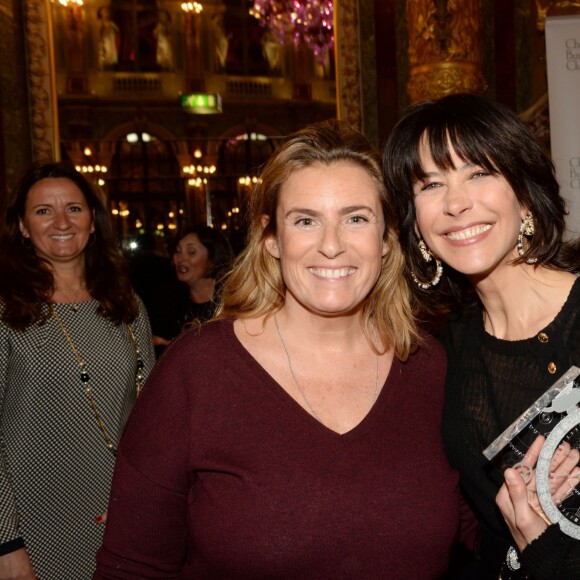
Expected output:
(193, 53)
(301, 89)
(76, 81)
(346, 50)
(445, 48)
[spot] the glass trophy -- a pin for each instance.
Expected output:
(556, 415)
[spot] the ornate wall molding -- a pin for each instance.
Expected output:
(41, 80)
(348, 90)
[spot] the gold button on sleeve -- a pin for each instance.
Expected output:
(552, 368)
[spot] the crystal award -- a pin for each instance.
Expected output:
(556, 416)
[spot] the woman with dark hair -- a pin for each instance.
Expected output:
(296, 436)
(201, 256)
(482, 224)
(75, 348)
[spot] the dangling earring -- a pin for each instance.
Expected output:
(428, 256)
(424, 251)
(527, 228)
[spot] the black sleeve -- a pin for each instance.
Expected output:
(553, 556)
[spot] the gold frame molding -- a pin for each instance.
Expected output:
(41, 80)
(347, 53)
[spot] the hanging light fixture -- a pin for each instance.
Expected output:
(71, 3)
(309, 20)
(192, 7)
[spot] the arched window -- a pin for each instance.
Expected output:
(145, 188)
(243, 154)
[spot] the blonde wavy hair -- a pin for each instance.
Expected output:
(255, 287)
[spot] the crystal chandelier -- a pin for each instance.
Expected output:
(309, 20)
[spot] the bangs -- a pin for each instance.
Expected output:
(444, 139)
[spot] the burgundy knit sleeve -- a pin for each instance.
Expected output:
(146, 530)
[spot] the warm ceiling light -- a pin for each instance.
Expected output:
(195, 7)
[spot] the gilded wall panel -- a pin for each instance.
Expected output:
(43, 101)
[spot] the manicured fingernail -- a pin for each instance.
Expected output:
(99, 519)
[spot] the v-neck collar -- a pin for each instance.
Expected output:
(294, 406)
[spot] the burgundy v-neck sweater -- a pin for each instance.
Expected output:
(221, 474)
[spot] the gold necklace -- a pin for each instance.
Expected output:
(300, 390)
(85, 378)
(72, 300)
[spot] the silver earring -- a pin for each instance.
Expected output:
(428, 256)
(527, 228)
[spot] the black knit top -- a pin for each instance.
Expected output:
(490, 382)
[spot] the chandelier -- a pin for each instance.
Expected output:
(308, 20)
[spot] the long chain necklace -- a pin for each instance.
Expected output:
(85, 378)
(301, 390)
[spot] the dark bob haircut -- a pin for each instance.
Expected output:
(485, 133)
(26, 280)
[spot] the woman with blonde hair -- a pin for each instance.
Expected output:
(297, 436)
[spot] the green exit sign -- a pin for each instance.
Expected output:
(202, 103)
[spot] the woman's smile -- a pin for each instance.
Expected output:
(332, 273)
(471, 233)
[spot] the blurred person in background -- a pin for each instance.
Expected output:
(200, 257)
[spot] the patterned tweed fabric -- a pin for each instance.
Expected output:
(55, 469)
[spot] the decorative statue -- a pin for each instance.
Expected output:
(221, 40)
(108, 37)
(272, 51)
(162, 35)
